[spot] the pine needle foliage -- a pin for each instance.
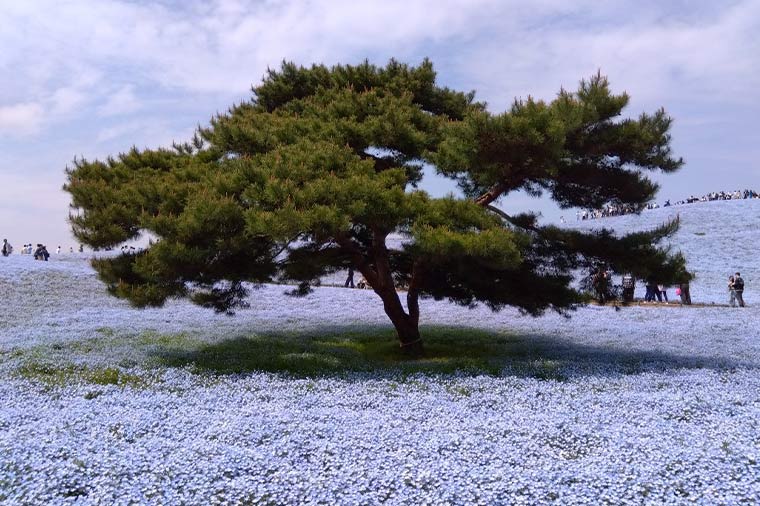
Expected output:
(313, 173)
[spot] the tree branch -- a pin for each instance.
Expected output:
(498, 211)
(286, 246)
(492, 194)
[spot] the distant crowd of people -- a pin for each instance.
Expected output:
(604, 212)
(617, 210)
(40, 251)
(734, 195)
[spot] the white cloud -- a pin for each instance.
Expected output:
(503, 48)
(116, 131)
(20, 119)
(222, 46)
(121, 101)
(711, 58)
(66, 100)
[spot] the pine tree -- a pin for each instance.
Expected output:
(312, 175)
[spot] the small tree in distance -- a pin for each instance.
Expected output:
(314, 173)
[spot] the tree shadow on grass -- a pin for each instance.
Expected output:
(449, 350)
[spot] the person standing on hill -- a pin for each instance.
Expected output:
(685, 293)
(731, 292)
(650, 294)
(739, 289)
(41, 253)
(7, 248)
(600, 281)
(629, 285)
(662, 293)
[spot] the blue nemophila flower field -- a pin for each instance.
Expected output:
(104, 404)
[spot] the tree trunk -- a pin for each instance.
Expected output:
(407, 328)
(406, 325)
(376, 269)
(411, 341)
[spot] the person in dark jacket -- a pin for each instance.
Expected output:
(350, 278)
(662, 292)
(41, 253)
(651, 288)
(739, 289)
(601, 283)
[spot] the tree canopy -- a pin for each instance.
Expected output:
(313, 173)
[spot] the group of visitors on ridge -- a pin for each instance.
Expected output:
(734, 195)
(40, 252)
(618, 210)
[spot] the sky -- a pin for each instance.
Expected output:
(93, 78)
